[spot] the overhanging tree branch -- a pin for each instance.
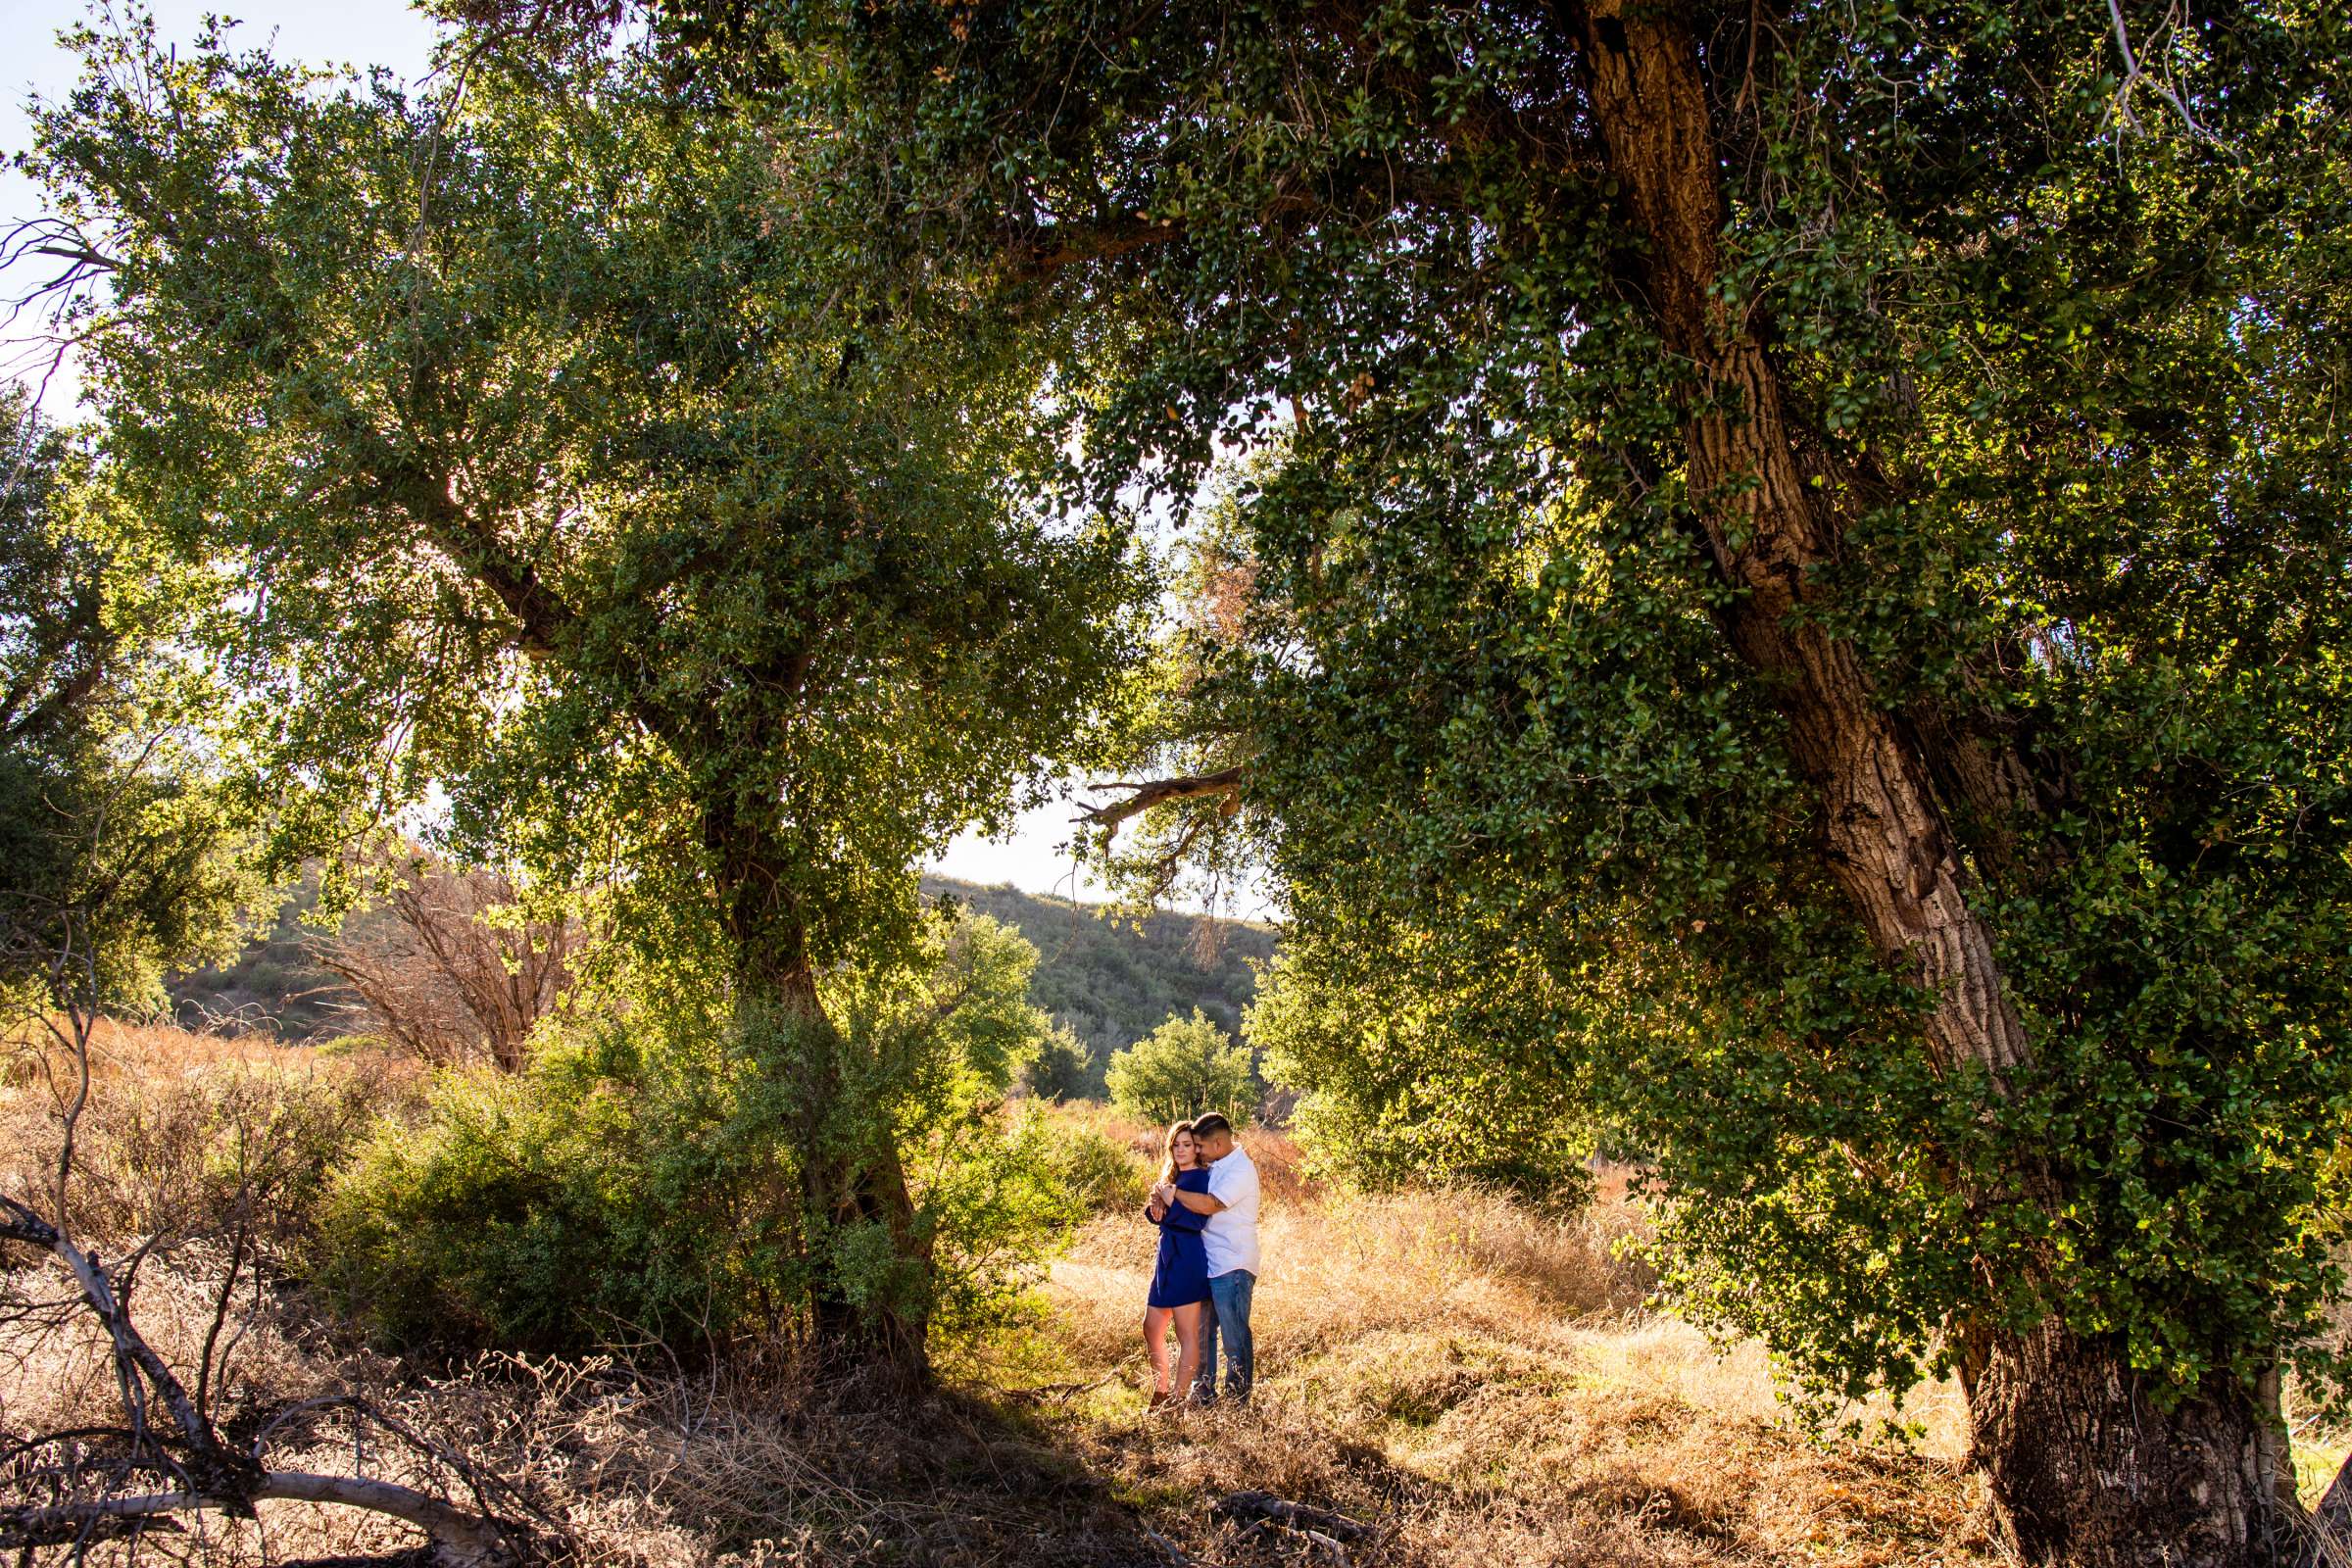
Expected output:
(1144, 794)
(1043, 252)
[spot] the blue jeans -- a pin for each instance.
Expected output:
(1228, 1315)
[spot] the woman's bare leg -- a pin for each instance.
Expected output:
(1188, 1345)
(1155, 1340)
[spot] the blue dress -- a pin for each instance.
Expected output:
(1181, 1277)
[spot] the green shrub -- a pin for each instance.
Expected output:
(1063, 1070)
(620, 1188)
(1000, 1207)
(642, 1179)
(1182, 1068)
(1396, 1098)
(1098, 1173)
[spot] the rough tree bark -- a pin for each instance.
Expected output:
(2085, 1471)
(845, 1181)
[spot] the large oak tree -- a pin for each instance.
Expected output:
(1802, 592)
(549, 448)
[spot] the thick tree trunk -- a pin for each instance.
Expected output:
(850, 1172)
(2084, 1470)
(1770, 504)
(847, 1185)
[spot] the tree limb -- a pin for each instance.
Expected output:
(541, 616)
(460, 1540)
(81, 254)
(1146, 793)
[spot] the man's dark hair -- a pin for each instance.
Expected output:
(1213, 1122)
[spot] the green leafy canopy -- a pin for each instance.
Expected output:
(2066, 361)
(550, 446)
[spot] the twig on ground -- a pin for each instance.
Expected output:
(1300, 1516)
(1058, 1392)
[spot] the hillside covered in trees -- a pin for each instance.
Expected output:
(1112, 981)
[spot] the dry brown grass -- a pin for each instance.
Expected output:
(179, 1124)
(1337, 1269)
(1478, 1379)
(615, 1465)
(145, 1052)
(1482, 1383)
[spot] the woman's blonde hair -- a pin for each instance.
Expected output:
(1167, 1149)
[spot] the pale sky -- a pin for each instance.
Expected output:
(385, 33)
(359, 32)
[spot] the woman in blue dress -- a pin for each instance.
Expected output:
(1180, 1281)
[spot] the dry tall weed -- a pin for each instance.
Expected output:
(452, 966)
(182, 1126)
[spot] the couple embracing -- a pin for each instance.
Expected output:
(1205, 1206)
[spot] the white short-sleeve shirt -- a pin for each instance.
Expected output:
(1230, 1235)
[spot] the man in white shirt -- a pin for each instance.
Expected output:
(1231, 1239)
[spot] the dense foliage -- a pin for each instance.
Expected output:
(1526, 790)
(117, 857)
(1396, 1092)
(640, 1178)
(600, 509)
(1183, 1068)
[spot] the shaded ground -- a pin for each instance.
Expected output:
(1474, 1381)
(1479, 1385)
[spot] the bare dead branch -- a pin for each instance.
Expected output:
(2135, 72)
(459, 1539)
(79, 254)
(1305, 1517)
(446, 978)
(1142, 796)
